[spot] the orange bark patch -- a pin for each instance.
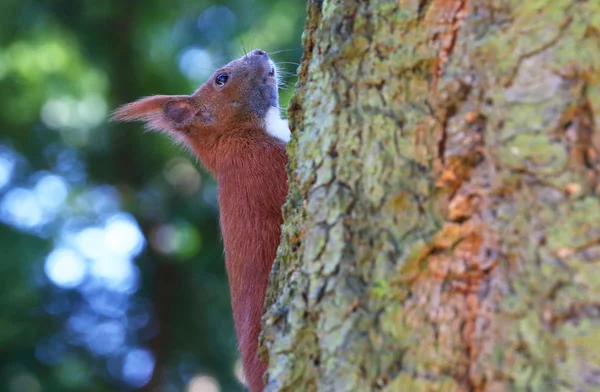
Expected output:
(445, 18)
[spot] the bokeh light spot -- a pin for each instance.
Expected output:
(106, 338)
(65, 268)
(138, 367)
(52, 57)
(216, 22)
(21, 208)
(183, 176)
(51, 192)
(123, 236)
(90, 242)
(91, 110)
(196, 63)
(107, 302)
(56, 113)
(203, 384)
(116, 273)
(82, 321)
(180, 239)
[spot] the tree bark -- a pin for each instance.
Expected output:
(442, 231)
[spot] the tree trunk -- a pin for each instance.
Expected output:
(442, 231)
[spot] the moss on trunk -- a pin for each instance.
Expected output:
(442, 231)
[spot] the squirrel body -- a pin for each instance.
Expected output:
(232, 123)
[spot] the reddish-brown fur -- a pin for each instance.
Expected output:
(225, 127)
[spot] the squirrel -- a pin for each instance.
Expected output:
(233, 124)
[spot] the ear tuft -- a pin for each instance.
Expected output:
(142, 109)
(160, 112)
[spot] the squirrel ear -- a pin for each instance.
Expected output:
(179, 111)
(160, 112)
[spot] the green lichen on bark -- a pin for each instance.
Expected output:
(441, 232)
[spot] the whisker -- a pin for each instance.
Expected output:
(284, 50)
(287, 73)
(206, 69)
(243, 48)
(285, 88)
(288, 62)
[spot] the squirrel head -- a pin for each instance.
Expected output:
(239, 97)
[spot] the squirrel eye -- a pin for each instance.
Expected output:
(221, 79)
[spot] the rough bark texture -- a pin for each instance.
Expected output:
(442, 231)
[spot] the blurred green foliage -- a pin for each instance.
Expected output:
(111, 269)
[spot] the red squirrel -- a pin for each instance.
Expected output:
(232, 123)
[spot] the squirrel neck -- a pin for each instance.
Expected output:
(220, 152)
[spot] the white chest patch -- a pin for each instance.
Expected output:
(276, 126)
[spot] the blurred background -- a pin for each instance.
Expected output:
(111, 269)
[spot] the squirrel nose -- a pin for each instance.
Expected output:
(259, 52)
